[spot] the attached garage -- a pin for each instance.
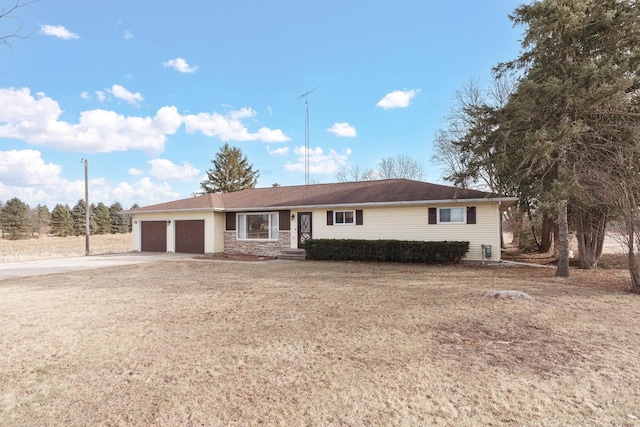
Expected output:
(190, 236)
(154, 236)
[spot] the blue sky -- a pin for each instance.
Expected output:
(149, 91)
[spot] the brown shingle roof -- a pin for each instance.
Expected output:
(387, 191)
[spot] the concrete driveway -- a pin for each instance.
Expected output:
(63, 265)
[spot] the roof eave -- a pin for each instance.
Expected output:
(500, 200)
(175, 210)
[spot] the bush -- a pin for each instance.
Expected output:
(386, 250)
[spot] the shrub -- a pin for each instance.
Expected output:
(386, 250)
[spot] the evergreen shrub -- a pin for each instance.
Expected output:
(444, 252)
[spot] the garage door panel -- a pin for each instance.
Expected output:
(190, 237)
(154, 236)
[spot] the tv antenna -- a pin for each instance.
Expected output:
(306, 134)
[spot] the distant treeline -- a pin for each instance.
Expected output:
(18, 220)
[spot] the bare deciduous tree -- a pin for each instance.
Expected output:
(7, 13)
(400, 166)
(355, 173)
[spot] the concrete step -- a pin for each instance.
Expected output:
(292, 254)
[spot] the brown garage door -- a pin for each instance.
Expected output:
(154, 236)
(190, 237)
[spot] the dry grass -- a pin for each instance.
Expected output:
(312, 343)
(61, 247)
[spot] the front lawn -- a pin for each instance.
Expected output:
(319, 343)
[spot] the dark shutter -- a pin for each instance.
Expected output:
(284, 220)
(329, 217)
(231, 221)
(359, 217)
(433, 215)
(471, 215)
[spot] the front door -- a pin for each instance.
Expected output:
(304, 228)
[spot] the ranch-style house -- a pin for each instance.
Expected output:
(267, 221)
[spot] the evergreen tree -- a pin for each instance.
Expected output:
(62, 221)
(119, 220)
(15, 218)
(40, 220)
(79, 220)
(129, 222)
(231, 172)
(103, 219)
(580, 65)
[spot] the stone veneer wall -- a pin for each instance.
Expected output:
(260, 247)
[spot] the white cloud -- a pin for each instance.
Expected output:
(229, 127)
(121, 92)
(58, 31)
(319, 163)
(343, 129)
(398, 99)
(26, 175)
(181, 65)
(85, 95)
(166, 170)
(278, 151)
(143, 192)
(128, 35)
(135, 172)
(26, 167)
(35, 120)
(101, 95)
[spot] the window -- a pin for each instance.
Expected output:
(344, 217)
(451, 216)
(257, 226)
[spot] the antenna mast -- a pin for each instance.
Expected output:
(306, 135)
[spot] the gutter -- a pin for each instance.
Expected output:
(508, 201)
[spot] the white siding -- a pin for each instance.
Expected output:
(213, 238)
(412, 223)
(220, 223)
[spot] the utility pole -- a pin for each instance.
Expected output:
(86, 205)
(306, 135)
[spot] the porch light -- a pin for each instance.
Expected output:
(168, 222)
(293, 216)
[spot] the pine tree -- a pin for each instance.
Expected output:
(62, 221)
(119, 220)
(40, 220)
(580, 66)
(15, 218)
(129, 224)
(231, 172)
(79, 220)
(103, 219)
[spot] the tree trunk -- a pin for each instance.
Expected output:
(590, 231)
(634, 266)
(546, 237)
(563, 240)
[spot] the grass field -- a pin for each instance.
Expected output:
(60, 247)
(314, 343)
